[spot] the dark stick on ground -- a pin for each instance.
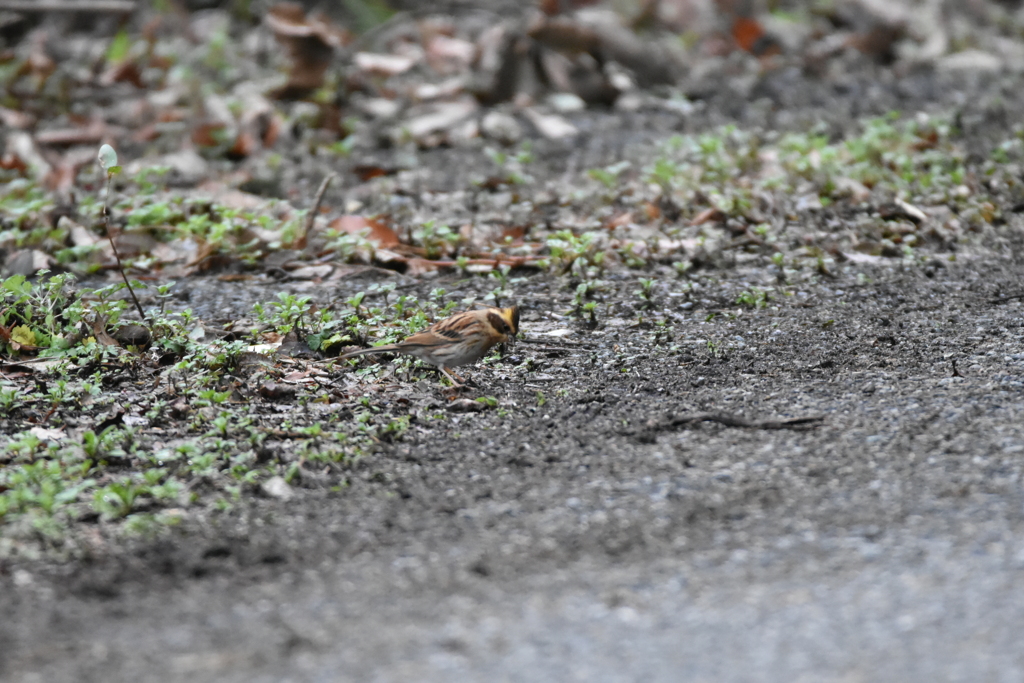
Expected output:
(648, 433)
(1006, 299)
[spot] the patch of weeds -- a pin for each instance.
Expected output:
(729, 174)
(211, 447)
(41, 498)
(40, 316)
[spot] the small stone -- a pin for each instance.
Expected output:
(970, 62)
(467, 405)
(277, 487)
(501, 127)
(566, 102)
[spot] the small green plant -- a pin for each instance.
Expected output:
(663, 174)
(646, 291)
(503, 290)
(8, 399)
(609, 175)
(118, 498)
(343, 147)
(570, 252)
(590, 310)
(286, 313)
(513, 167)
(436, 240)
(754, 298)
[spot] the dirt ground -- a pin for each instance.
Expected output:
(591, 532)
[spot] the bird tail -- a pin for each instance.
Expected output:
(387, 348)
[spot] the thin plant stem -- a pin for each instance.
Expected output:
(110, 236)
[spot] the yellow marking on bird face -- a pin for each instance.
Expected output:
(511, 318)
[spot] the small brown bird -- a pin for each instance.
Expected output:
(463, 338)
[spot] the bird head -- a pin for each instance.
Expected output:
(505, 320)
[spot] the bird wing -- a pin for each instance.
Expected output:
(454, 328)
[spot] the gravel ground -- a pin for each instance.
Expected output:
(584, 540)
(586, 536)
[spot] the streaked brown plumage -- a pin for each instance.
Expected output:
(461, 339)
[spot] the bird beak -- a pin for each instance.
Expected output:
(511, 316)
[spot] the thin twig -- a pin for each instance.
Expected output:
(649, 431)
(737, 421)
(311, 216)
(120, 267)
(27, 361)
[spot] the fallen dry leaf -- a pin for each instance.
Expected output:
(28, 262)
(383, 64)
(375, 230)
(751, 36)
(711, 215)
(551, 126)
(99, 331)
(94, 132)
(44, 434)
(440, 118)
(23, 154)
(16, 119)
(621, 220)
(446, 54)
